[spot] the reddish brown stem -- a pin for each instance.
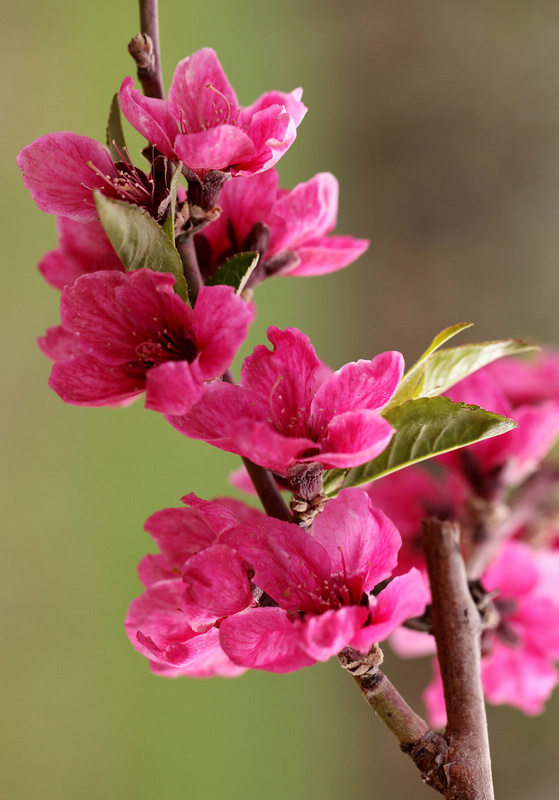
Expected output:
(144, 49)
(457, 628)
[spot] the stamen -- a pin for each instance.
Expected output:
(228, 104)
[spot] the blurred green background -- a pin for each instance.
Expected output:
(441, 121)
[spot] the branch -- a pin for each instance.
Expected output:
(382, 695)
(268, 492)
(191, 268)
(144, 49)
(457, 628)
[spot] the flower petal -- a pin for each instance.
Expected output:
(56, 171)
(150, 116)
(201, 96)
(360, 540)
(220, 327)
(265, 638)
(359, 385)
(354, 438)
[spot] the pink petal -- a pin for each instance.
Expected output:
(157, 628)
(527, 445)
(288, 564)
(283, 380)
(200, 96)
(82, 380)
(58, 343)
(514, 573)
(55, 170)
(89, 308)
(522, 680)
(330, 255)
(433, 698)
(359, 385)
(220, 514)
(326, 634)
(245, 201)
(306, 214)
(149, 116)
(354, 438)
(216, 148)
(220, 327)
(83, 248)
(360, 540)
(265, 638)
(271, 122)
(271, 131)
(216, 586)
(174, 387)
(146, 298)
(405, 596)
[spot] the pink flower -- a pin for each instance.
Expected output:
(317, 587)
(134, 334)
(509, 459)
(61, 170)
(278, 416)
(288, 228)
(82, 248)
(156, 623)
(203, 126)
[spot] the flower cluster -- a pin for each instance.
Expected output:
(156, 282)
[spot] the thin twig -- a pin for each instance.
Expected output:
(382, 695)
(144, 49)
(191, 268)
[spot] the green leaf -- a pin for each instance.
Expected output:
(114, 133)
(138, 240)
(235, 271)
(446, 367)
(169, 225)
(412, 379)
(425, 428)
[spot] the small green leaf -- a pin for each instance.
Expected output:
(446, 367)
(114, 133)
(169, 225)
(138, 240)
(412, 379)
(425, 428)
(235, 271)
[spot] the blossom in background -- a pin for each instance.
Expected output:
(203, 126)
(280, 416)
(156, 623)
(61, 170)
(518, 654)
(132, 333)
(517, 389)
(272, 595)
(289, 229)
(82, 248)
(415, 493)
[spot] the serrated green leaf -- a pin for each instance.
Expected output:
(425, 428)
(138, 240)
(169, 225)
(114, 133)
(235, 271)
(412, 379)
